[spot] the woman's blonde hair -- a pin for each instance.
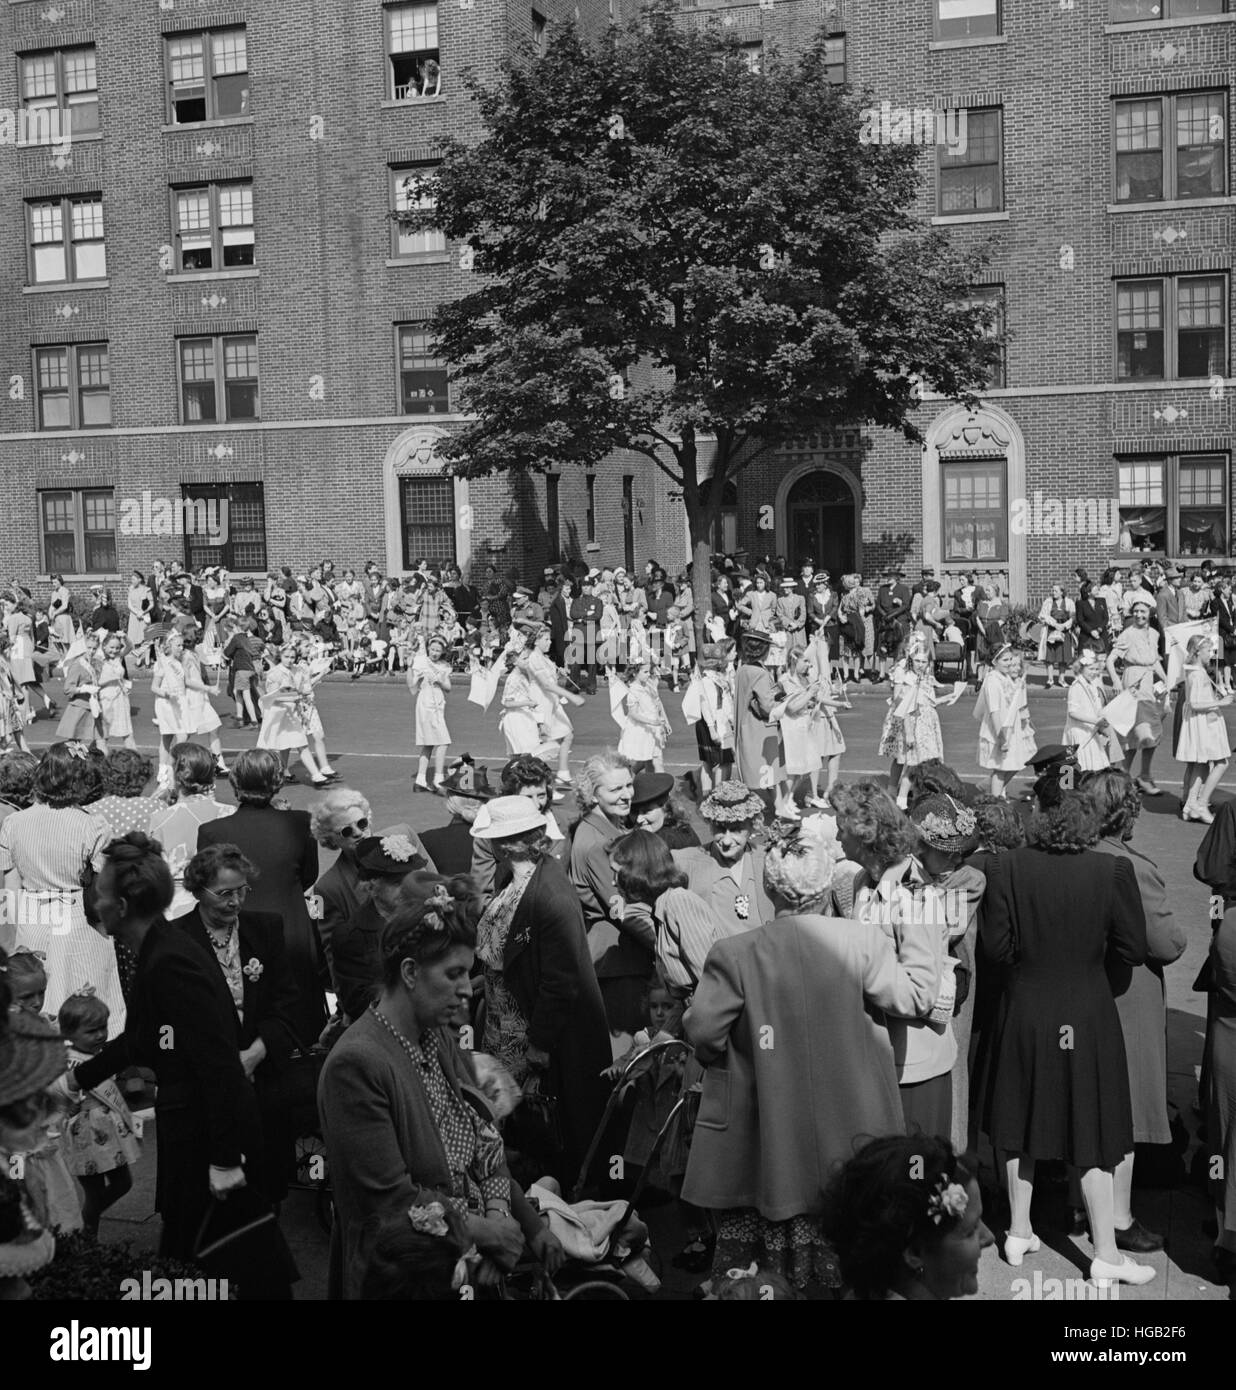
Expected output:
(590, 777)
(327, 814)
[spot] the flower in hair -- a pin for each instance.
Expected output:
(785, 837)
(947, 1199)
(85, 992)
(399, 848)
(441, 897)
(430, 1220)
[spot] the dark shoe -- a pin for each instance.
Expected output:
(1079, 1222)
(1225, 1265)
(1137, 1239)
(696, 1257)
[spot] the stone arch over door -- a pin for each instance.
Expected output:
(414, 454)
(781, 510)
(959, 434)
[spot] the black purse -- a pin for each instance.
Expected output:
(535, 1125)
(240, 1240)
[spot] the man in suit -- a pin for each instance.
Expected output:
(805, 584)
(892, 616)
(926, 576)
(586, 613)
(558, 617)
(728, 872)
(1170, 600)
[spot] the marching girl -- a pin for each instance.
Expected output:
(14, 713)
(20, 627)
(808, 728)
(167, 685)
(141, 615)
(520, 707)
(639, 713)
(1202, 744)
(60, 625)
(200, 715)
(287, 720)
(80, 721)
(429, 678)
(1006, 738)
(677, 660)
(911, 733)
(1085, 728)
(609, 629)
(555, 726)
(709, 703)
(115, 718)
(1133, 664)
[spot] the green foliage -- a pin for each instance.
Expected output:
(84, 1269)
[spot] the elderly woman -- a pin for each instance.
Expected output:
(813, 984)
(176, 826)
(728, 872)
(126, 775)
(248, 948)
(210, 1131)
(339, 821)
(1057, 1083)
(44, 853)
(400, 1106)
(525, 776)
(278, 842)
(1138, 990)
(544, 1017)
(905, 1216)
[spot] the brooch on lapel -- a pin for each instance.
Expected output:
(254, 969)
(742, 906)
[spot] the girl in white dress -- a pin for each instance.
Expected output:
(429, 678)
(167, 685)
(639, 713)
(555, 726)
(911, 733)
(809, 731)
(290, 718)
(1203, 745)
(520, 704)
(14, 712)
(1133, 664)
(1085, 728)
(114, 686)
(140, 605)
(1006, 737)
(201, 716)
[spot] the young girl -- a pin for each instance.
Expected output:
(80, 720)
(797, 700)
(911, 733)
(656, 1085)
(1006, 737)
(709, 704)
(518, 720)
(27, 981)
(1085, 727)
(645, 729)
(114, 686)
(26, 675)
(200, 715)
(167, 685)
(1202, 744)
(429, 678)
(555, 726)
(99, 1137)
(283, 728)
(14, 712)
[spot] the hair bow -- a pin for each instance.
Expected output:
(85, 992)
(441, 897)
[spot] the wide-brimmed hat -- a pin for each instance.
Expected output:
(945, 824)
(650, 786)
(507, 815)
(753, 638)
(388, 856)
(788, 583)
(32, 1056)
(731, 804)
(522, 591)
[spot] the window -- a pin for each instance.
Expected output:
(834, 59)
(427, 516)
(1145, 350)
(207, 76)
(1124, 11)
(752, 53)
(972, 179)
(590, 515)
(1174, 506)
(219, 379)
(1192, 164)
(423, 386)
(74, 387)
(975, 511)
(214, 226)
(412, 51)
(538, 33)
(412, 190)
(991, 297)
(234, 515)
(552, 520)
(967, 19)
(66, 240)
(59, 86)
(78, 531)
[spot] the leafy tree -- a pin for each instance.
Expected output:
(673, 251)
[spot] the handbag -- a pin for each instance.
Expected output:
(239, 1239)
(535, 1125)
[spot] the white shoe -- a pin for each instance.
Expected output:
(1126, 1272)
(1016, 1248)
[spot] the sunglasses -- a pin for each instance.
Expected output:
(358, 829)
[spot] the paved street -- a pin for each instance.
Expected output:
(369, 728)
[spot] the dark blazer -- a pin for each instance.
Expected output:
(182, 1024)
(286, 855)
(558, 617)
(1225, 611)
(356, 960)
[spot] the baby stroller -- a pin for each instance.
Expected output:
(950, 661)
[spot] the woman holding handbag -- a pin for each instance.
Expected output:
(1058, 618)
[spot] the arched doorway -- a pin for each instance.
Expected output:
(819, 522)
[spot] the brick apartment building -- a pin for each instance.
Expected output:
(204, 297)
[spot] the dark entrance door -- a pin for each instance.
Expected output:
(820, 517)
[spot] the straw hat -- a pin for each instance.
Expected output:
(507, 815)
(731, 804)
(32, 1056)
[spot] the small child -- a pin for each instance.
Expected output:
(645, 728)
(27, 982)
(99, 1138)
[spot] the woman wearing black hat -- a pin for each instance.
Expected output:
(654, 809)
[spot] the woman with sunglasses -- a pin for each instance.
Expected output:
(176, 826)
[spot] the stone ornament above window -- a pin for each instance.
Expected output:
(975, 433)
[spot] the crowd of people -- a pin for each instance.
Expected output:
(818, 997)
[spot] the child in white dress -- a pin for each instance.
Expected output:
(1006, 737)
(911, 733)
(518, 720)
(167, 685)
(286, 712)
(639, 713)
(114, 686)
(1085, 728)
(429, 678)
(1203, 744)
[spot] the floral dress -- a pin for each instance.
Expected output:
(100, 1135)
(506, 1028)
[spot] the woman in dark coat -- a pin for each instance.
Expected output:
(182, 1023)
(544, 1019)
(285, 853)
(1057, 1085)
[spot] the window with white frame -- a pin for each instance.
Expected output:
(412, 191)
(1129, 11)
(77, 531)
(214, 226)
(967, 19)
(219, 378)
(1192, 163)
(207, 76)
(971, 177)
(59, 86)
(66, 240)
(73, 386)
(423, 386)
(975, 510)
(1149, 348)
(1174, 505)
(412, 51)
